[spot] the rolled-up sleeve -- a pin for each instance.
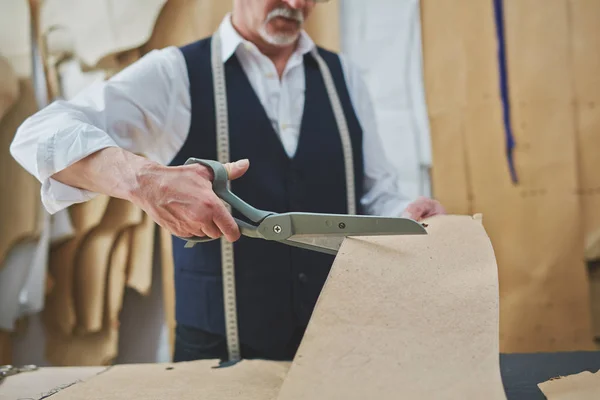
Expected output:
(142, 109)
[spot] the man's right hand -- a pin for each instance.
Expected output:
(181, 199)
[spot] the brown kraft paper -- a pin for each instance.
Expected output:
(247, 380)
(405, 317)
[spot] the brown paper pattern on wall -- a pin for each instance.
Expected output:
(9, 86)
(446, 97)
(536, 226)
(584, 28)
(19, 203)
(92, 263)
(99, 347)
(323, 25)
(139, 266)
(59, 313)
(585, 42)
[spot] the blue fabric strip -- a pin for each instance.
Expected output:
(510, 141)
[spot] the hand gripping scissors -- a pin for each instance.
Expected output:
(314, 231)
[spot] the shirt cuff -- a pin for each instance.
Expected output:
(52, 158)
(57, 196)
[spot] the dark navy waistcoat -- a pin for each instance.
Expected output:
(277, 286)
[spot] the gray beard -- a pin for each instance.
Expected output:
(280, 39)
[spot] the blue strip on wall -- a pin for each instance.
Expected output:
(510, 141)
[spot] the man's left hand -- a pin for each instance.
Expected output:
(422, 208)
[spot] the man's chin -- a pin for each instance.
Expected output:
(280, 38)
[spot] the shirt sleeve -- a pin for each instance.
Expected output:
(382, 194)
(144, 109)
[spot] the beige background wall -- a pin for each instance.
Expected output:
(538, 226)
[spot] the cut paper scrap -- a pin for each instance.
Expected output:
(248, 380)
(103, 27)
(582, 386)
(405, 317)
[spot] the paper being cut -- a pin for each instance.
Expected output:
(405, 317)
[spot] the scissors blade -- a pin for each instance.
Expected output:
(353, 225)
(326, 232)
(323, 244)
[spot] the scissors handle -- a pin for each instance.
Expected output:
(221, 189)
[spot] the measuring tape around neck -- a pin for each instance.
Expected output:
(222, 126)
(342, 125)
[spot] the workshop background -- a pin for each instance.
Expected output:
(490, 106)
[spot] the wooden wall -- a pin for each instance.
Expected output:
(542, 224)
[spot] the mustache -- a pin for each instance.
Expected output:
(287, 13)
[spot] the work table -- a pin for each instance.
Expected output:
(520, 375)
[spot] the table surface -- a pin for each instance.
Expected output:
(520, 374)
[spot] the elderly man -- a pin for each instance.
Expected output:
(279, 95)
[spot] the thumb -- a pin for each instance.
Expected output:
(237, 169)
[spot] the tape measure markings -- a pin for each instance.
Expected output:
(227, 252)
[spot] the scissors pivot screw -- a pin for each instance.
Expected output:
(277, 229)
(342, 225)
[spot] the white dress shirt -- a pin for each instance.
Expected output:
(146, 109)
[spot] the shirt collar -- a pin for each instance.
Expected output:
(231, 40)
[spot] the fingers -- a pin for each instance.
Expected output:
(190, 207)
(422, 208)
(226, 224)
(211, 230)
(414, 210)
(435, 209)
